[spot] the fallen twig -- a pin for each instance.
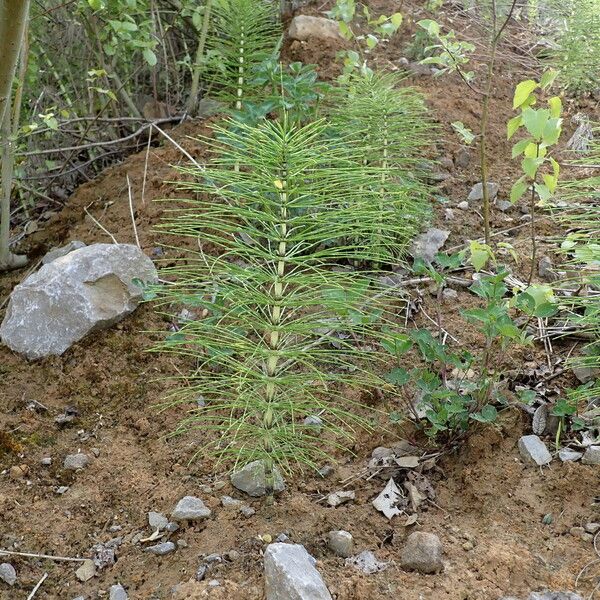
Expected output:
(37, 587)
(48, 556)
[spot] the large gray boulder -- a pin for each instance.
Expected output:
(290, 574)
(87, 289)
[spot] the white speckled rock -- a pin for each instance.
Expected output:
(8, 574)
(534, 451)
(88, 289)
(304, 27)
(290, 574)
(190, 508)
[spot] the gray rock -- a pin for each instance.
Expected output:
(448, 214)
(503, 205)
(591, 456)
(157, 520)
(314, 422)
(546, 269)
(251, 479)
(117, 592)
(46, 461)
(79, 598)
(304, 27)
(8, 574)
(75, 462)
(428, 244)
(464, 205)
(172, 527)
(88, 289)
(462, 159)
(534, 451)
(62, 251)
(161, 549)
(476, 192)
(568, 455)
(290, 574)
(554, 596)
(449, 294)
(229, 502)
(341, 497)
(86, 571)
(201, 572)
(341, 542)
(366, 562)
(592, 527)
(423, 553)
(247, 511)
(583, 135)
(586, 374)
(190, 508)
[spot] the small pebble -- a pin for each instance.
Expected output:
(201, 572)
(117, 592)
(213, 558)
(8, 574)
(218, 485)
(229, 502)
(468, 546)
(182, 544)
(448, 214)
(157, 520)
(464, 205)
(233, 555)
(190, 508)
(568, 455)
(247, 511)
(422, 552)
(172, 527)
(592, 527)
(62, 489)
(341, 543)
(161, 549)
(18, 472)
(46, 461)
(75, 462)
(341, 497)
(591, 456)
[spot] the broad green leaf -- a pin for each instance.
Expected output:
(149, 56)
(531, 165)
(465, 133)
(396, 19)
(479, 255)
(543, 192)
(531, 150)
(372, 41)
(555, 104)
(518, 189)
(548, 78)
(513, 125)
(345, 30)
(95, 4)
(430, 26)
(398, 376)
(552, 131)
(535, 121)
(522, 92)
(520, 147)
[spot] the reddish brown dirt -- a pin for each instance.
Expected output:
(488, 508)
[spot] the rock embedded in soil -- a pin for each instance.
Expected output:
(247, 511)
(546, 269)
(341, 542)
(586, 374)
(55, 253)
(341, 497)
(251, 479)
(476, 192)
(422, 552)
(534, 451)
(229, 502)
(304, 27)
(428, 244)
(88, 289)
(8, 574)
(366, 562)
(591, 456)
(568, 455)
(86, 571)
(554, 596)
(161, 549)
(464, 205)
(75, 462)
(157, 520)
(290, 574)
(117, 592)
(190, 508)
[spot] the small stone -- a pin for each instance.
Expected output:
(476, 192)
(182, 544)
(75, 462)
(117, 592)
(95, 452)
(428, 244)
(201, 572)
(304, 27)
(448, 214)
(341, 542)
(464, 205)
(366, 562)
(161, 549)
(314, 422)
(503, 205)
(229, 502)
(326, 471)
(8, 574)
(247, 511)
(525, 218)
(115, 528)
(213, 583)
(46, 461)
(190, 508)
(79, 598)
(281, 538)
(86, 571)
(568, 455)
(591, 456)
(62, 489)
(213, 558)
(449, 294)
(157, 520)
(423, 553)
(18, 472)
(233, 555)
(586, 374)
(546, 269)
(218, 485)
(592, 528)
(534, 451)
(462, 158)
(341, 497)
(290, 574)
(468, 546)
(554, 596)
(172, 527)
(447, 163)
(251, 479)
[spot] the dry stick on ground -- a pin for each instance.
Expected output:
(131, 212)
(112, 237)
(37, 587)
(47, 556)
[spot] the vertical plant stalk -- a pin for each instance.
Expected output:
(14, 15)
(272, 365)
(533, 236)
(199, 60)
(485, 111)
(241, 71)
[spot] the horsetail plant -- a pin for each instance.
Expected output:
(388, 128)
(244, 34)
(286, 322)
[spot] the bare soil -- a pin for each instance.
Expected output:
(488, 508)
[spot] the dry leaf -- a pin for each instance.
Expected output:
(387, 501)
(407, 462)
(540, 416)
(414, 495)
(411, 520)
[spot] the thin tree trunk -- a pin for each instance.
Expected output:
(199, 61)
(14, 15)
